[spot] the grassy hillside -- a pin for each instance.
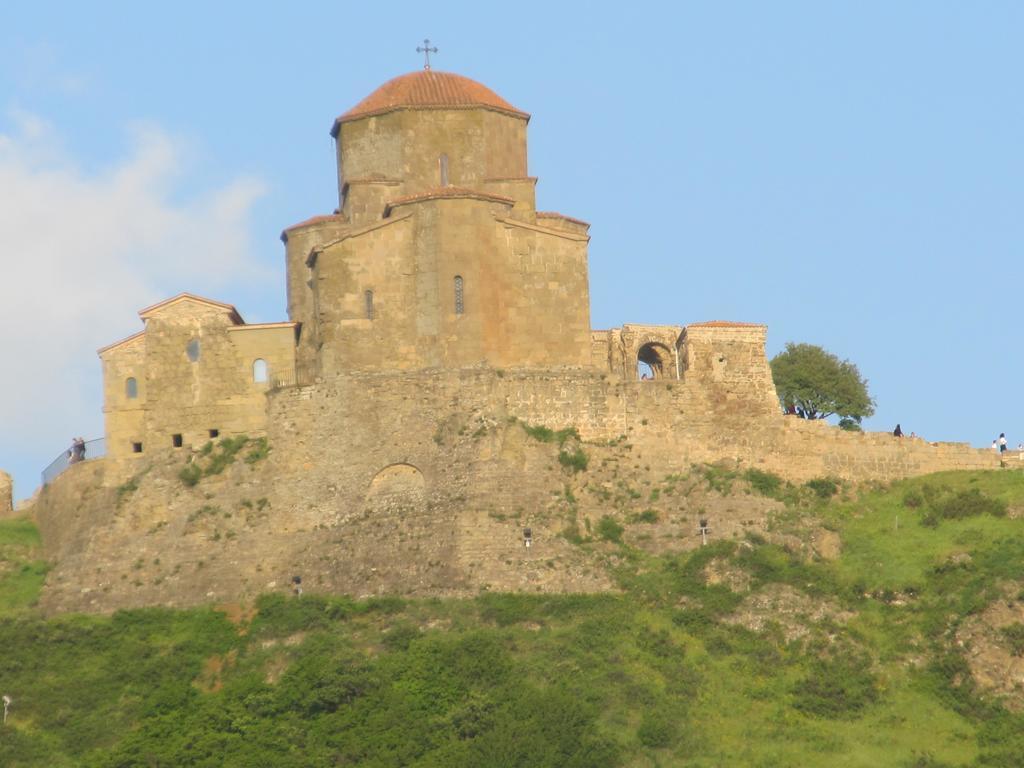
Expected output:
(899, 650)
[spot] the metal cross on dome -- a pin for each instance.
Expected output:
(426, 50)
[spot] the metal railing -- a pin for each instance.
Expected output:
(90, 449)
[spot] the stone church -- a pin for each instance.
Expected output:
(435, 258)
(438, 336)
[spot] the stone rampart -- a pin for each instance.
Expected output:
(423, 483)
(6, 495)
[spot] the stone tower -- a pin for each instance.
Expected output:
(436, 256)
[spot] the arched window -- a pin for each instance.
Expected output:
(368, 298)
(192, 350)
(653, 361)
(460, 305)
(259, 371)
(131, 388)
(442, 167)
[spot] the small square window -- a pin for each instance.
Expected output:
(214, 433)
(136, 447)
(176, 440)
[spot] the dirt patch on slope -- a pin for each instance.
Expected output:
(792, 610)
(996, 664)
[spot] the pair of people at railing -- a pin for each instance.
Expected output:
(76, 452)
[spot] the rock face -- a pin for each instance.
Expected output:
(6, 495)
(990, 642)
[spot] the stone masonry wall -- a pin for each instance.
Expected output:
(6, 495)
(385, 296)
(423, 483)
(177, 396)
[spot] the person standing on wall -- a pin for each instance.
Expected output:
(1002, 442)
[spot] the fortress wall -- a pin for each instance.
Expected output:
(6, 495)
(422, 484)
(74, 507)
(357, 424)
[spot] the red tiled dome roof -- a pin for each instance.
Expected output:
(427, 89)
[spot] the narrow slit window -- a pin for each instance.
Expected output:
(136, 447)
(131, 388)
(368, 299)
(460, 305)
(192, 350)
(442, 167)
(176, 441)
(259, 371)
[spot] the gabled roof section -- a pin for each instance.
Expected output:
(556, 215)
(123, 342)
(449, 193)
(149, 312)
(316, 250)
(334, 218)
(565, 234)
(427, 89)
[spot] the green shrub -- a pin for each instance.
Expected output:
(609, 530)
(571, 532)
(718, 478)
(1014, 636)
(260, 450)
(824, 487)
(647, 516)
(575, 460)
(190, 474)
(969, 503)
(765, 483)
(127, 488)
(656, 730)
(912, 499)
(547, 435)
(837, 687)
(225, 454)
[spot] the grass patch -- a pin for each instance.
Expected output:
(764, 483)
(575, 460)
(259, 450)
(609, 529)
(547, 435)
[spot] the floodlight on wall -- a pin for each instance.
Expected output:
(527, 537)
(7, 705)
(704, 531)
(297, 586)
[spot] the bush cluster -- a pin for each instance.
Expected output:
(940, 504)
(214, 458)
(575, 460)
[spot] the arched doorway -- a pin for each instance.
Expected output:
(654, 361)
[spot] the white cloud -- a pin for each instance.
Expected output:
(81, 252)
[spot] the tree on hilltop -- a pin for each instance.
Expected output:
(815, 384)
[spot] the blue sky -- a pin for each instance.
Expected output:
(850, 174)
